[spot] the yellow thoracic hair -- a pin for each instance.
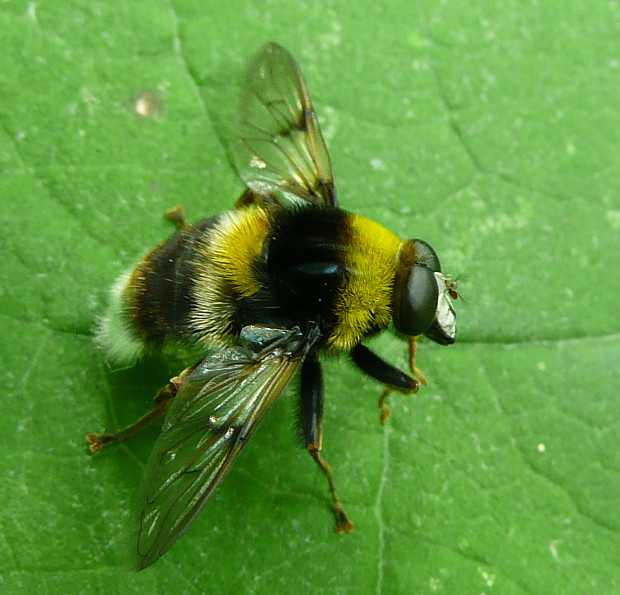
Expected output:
(365, 299)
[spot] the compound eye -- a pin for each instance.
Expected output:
(425, 254)
(417, 303)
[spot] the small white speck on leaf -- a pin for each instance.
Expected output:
(32, 12)
(488, 578)
(378, 164)
(147, 104)
(614, 218)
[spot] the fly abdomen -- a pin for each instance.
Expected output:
(152, 303)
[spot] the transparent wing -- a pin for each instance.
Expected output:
(280, 152)
(218, 406)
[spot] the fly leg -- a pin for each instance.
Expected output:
(177, 216)
(311, 414)
(248, 198)
(393, 378)
(163, 400)
(413, 350)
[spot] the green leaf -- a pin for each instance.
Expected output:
(490, 130)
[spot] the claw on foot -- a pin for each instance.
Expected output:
(385, 409)
(177, 215)
(344, 525)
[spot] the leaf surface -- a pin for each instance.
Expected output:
(490, 132)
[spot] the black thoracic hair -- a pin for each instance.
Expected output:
(301, 270)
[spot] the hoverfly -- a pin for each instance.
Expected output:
(266, 288)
